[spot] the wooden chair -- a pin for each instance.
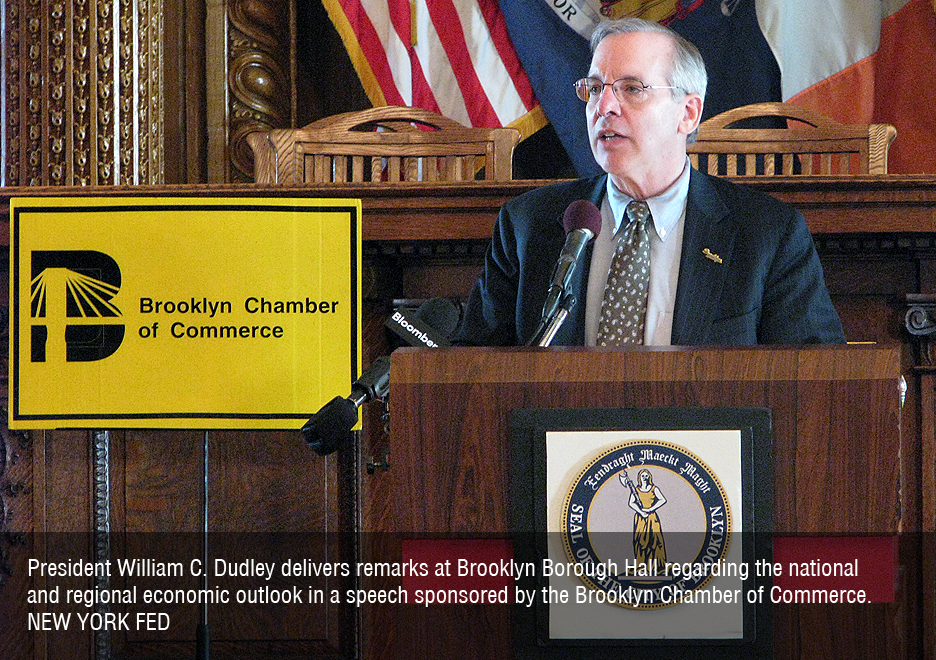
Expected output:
(811, 144)
(385, 144)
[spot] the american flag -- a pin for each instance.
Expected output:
(453, 57)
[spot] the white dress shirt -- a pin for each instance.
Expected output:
(669, 214)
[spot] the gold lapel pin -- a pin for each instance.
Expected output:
(711, 255)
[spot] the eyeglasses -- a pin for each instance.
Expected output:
(626, 90)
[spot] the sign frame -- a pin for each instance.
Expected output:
(23, 209)
(529, 430)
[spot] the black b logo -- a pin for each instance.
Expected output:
(67, 289)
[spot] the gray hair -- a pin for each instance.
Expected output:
(688, 69)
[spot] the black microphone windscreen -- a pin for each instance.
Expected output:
(330, 428)
(582, 214)
(441, 314)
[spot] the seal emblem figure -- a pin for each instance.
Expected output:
(656, 512)
(645, 499)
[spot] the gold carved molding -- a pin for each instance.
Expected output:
(83, 93)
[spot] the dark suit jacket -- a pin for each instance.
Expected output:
(768, 289)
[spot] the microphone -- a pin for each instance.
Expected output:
(431, 326)
(582, 222)
(330, 428)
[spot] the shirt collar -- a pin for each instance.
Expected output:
(666, 208)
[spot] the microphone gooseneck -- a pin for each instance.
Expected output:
(582, 222)
(432, 325)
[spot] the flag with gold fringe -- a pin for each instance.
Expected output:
(453, 57)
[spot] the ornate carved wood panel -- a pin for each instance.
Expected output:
(83, 92)
(260, 76)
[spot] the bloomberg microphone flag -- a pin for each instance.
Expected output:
(551, 39)
(453, 57)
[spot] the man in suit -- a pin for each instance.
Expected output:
(727, 265)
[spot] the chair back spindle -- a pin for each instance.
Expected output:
(811, 144)
(385, 144)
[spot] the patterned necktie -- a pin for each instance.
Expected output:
(625, 298)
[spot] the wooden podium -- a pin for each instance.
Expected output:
(840, 463)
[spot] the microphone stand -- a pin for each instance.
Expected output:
(552, 321)
(202, 635)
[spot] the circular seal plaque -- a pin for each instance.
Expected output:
(648, 523)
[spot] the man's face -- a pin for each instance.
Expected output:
(642, 144)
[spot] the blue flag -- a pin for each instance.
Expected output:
(741, 67)
(554, 57)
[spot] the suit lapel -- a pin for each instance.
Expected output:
(701, 277)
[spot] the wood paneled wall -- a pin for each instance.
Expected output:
(101, 92)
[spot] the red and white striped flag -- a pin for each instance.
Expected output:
(453, 57)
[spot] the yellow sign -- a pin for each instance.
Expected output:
(212, 313)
